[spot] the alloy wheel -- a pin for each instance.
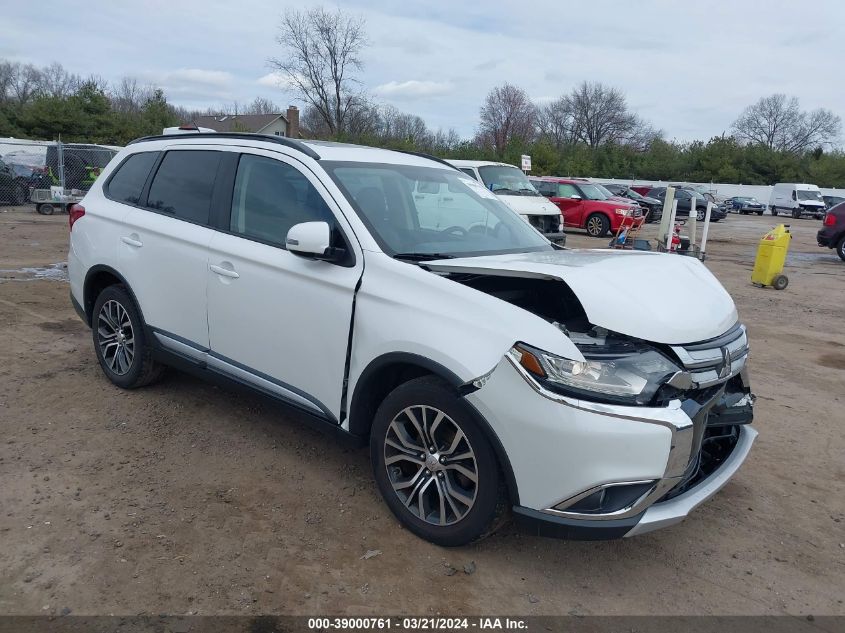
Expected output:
(115, 337)
(594, 226)
(431, 465)
(699, 215)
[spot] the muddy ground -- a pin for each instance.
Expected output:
(188, 498)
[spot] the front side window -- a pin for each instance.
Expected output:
(183, 184)
(270, 197)
(506, 180)
(130, 177)
(565, 190)
(469, 172)
(431, 212)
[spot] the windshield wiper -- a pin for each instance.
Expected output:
(421, 257)
(498, 189)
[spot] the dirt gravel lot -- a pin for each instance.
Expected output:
(188, 498)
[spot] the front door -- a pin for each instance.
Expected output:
(570, 207)
(279, 321)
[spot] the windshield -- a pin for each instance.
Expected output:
(425, 212)
(607, 192)
(806, 194)
(592, 192)
(506, 180)
(633, 194)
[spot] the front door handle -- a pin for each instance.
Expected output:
(224, 272)
(132, 241)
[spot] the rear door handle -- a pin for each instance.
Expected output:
(225, 272)
(132, 241)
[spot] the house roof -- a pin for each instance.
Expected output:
(237, 122)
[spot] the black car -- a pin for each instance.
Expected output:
(745, 205)
(832, 233)
(12, 189)
(686, 198)
(652, 205)
(832, 201)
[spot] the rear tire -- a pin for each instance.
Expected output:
(700, 213)
(597, 225)
(20, 195)
(432, 492)
(120, 341)
(759, 213)
(840, 248)
(45, 209)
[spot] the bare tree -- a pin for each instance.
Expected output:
(322, 52)
(25, 83)
(601, 114)
(261, 105)
(556, 122)
(128, 96)
(779, 123)
(55, 81)
(507, 115)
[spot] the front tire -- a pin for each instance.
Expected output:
(597, 225)
(434, 466)
(774, 211)
(120, 342)
(699, 214)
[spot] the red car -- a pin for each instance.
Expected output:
(585, 206)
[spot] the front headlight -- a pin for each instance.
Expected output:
(630, 377)
(623, 211)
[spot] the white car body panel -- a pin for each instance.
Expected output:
(657, 297)
(450, 323)
(557, 451)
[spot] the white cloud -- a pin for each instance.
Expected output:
(200, 76)
(413, 88)
(274, 79)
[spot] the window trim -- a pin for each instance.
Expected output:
(143, 196)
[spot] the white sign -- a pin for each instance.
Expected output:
(526, 162)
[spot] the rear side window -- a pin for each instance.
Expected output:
(469, 172)
(183, 184)
(270, 197)
(129, 179)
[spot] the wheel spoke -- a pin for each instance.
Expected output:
(442, 498)
(402, 485)
(404, 457)
(455, 441)
(467, 501)
(419, 427)
(404, 438)
(466, 472)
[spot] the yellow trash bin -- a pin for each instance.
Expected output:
(771, 257)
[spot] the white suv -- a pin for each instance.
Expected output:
(490, 370)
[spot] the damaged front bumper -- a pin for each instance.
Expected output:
(628, 469)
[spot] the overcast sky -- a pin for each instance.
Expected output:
(687, 67)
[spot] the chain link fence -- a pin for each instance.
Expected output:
(50, 175)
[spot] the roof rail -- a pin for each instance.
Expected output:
(281, 140)
(428, 156)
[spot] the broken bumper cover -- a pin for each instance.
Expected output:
(655, 517)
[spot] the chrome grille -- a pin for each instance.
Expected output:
(715, 361)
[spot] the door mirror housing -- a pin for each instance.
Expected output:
(313, 239)
(574, 196)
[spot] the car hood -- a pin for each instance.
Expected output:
(811, 203)
(650, 200)
(530, 205)
(657, 297)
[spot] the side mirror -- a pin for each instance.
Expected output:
(575, 196)
(312, 239)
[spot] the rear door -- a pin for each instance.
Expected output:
(164, 247)
(279, 321)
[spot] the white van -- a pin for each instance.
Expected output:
(797, 199)
(513, 188)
